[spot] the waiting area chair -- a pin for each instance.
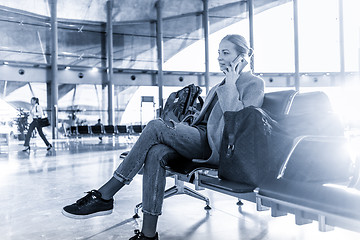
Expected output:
(278, 103)
(136, 128)
(109, 130)
(105, 130)
(96, 129)
(122, 129)
(308, 183)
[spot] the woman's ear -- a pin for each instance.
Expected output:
(251, 52)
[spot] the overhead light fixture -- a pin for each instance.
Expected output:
(94, 69)
(67, 67)
(6, 63)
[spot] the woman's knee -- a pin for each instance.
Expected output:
(156, 153)
(159, 155)
(154, 124)
(157, 125)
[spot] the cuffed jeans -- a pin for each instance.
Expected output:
(156, 143)
(35, 124)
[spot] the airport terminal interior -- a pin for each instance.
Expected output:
(117, 61)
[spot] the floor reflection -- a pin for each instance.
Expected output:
(36, 185)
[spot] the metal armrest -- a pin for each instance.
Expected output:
(309, 155)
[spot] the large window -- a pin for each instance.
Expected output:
(319, 36)
(319, 40)
(352, 35)
(274, 40)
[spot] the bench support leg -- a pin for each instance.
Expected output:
(259, 206)
(299, 218)
(275, 211)
(178, 188)
(323, 227)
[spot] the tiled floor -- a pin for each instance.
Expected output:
(35, 186)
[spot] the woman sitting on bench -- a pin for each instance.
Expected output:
(200, 140)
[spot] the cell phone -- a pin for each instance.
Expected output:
(239, 63)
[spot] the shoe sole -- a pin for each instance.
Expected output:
(102, 213)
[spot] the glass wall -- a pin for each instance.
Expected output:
(319, 36)
(352, 35)
(319, 40)
(135, 48)
(274, 40)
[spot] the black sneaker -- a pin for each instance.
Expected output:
(91, 205)
(49, 147)
(140, 236)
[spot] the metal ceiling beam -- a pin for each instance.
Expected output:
(130, 77)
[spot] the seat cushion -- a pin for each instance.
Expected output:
(333, 198)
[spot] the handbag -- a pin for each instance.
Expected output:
(253, 146)
(44, 122)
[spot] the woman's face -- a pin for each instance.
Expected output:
(227, 53)
(32, 101)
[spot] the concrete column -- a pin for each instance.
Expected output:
(160, 54)
(296, 45)
(109, 42)
(251, 30)
(206, 37)
(54, 69)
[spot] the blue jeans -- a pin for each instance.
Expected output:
(157, 142)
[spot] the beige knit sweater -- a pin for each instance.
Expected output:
(251, 93)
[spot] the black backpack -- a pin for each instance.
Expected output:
(183, 105)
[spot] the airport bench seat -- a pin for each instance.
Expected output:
(136, 129)
(278, 104)
(317, 187)
(331, 204)
(106, 130)
(205, 175)
(96, 130)
(83, 130)
(329, 200)
(325, 199)
(122, 129)
(109, 129)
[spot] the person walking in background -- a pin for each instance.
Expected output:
(101, 125)
(36, 113)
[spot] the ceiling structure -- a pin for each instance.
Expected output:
(26, 36)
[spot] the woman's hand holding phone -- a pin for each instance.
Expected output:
(233, 70)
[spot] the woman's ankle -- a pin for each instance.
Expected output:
(110, 188)
(149, 225)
